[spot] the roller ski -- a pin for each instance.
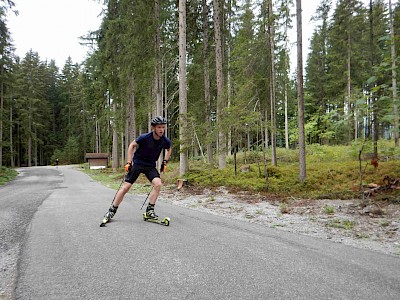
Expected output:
(156, 220)
(150, 216)
(109, 215)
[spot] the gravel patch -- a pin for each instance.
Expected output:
(370, 226)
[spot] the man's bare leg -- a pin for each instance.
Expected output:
(155, 192)
(126, 186)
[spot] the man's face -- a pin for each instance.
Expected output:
(159, 129)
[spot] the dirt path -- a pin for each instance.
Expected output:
(365, 226)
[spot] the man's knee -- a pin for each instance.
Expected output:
(157, 183)
(125, 187)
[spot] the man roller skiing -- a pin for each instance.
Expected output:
(148, 149)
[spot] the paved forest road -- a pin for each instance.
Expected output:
(66, 255)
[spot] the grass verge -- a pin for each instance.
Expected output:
(7, 174)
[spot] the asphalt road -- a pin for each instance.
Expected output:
(66, 255)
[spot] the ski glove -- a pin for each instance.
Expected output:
(128, 166)
(163, 165)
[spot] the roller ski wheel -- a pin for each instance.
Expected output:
(164, 221)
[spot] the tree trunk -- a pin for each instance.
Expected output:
(1, 119)
(158, 68)
(286, 80)
(131, 116)
(115, 161)
(157, 81)
(370, 101)
(35, 149)
(348, 76)
(206, 75)
(183, 157)
(300, 95)
(97, 130)
(374, 101)
(29, 147)
(265, 146)
(272, 82)
(286, 87)
(122, 139)
(394, 80)
(266, 129)
(220, 87)
(229, 78)
(286, 118)
(11, 131)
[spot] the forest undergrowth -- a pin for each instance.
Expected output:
(333, 172)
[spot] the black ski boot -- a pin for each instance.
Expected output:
(109, 215)
(150, 214)
(111, 212)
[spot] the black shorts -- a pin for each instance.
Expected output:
(149, 172)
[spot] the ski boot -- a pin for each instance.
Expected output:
(150, 214)
(109, 215)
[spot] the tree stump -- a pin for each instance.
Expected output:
(181, 183)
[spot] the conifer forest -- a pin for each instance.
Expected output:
(219, 71)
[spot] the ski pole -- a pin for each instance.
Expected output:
(146, 198)
(118, 190)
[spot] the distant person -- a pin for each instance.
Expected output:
(57, 162)
(143, 161)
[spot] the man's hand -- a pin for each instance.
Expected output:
(163, 166)
(128, 166)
